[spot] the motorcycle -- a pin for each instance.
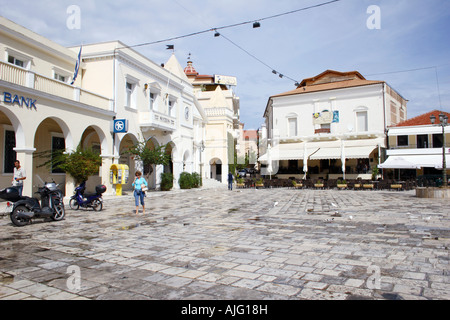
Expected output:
(87, 200)
(22, 209)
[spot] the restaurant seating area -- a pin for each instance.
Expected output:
(338, 184)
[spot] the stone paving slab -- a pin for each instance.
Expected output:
(245, 244)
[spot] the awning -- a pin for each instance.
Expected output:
(398, 163)
(359, 152)
(415, 162)
(288, 151)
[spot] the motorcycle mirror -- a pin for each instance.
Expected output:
(39, 178)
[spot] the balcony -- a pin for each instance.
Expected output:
(221, 112)
(153, 120)
(30, 79)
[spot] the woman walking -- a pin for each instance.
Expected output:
(140, 186)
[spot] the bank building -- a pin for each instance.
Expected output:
(44, 107)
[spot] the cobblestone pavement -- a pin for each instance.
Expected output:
(241, 245)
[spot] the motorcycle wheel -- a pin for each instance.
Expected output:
(16, 220)
(97, 205)
(73, 204)
(59, 212)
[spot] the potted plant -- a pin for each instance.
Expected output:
(342, 184)
(319, 184)
(240, 183)
(259, 183)
(296, 184)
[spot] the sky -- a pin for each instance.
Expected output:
(403, 42)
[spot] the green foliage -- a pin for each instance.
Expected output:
(149, 156)
(80, 164)
(197, 180)
(188, 181)
(185, 180)
(166, 181)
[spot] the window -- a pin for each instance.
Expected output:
(422, 141)
(58, 143)
(292, 127)
(10, 154)
(59, 77)
(171, 103)
(152, 100)
(17, 62)
(402, 141)
(361, 121)
(129, 93)
(437, 140)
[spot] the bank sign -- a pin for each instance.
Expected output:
(15, 99)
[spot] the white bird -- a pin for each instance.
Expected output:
(275, 203)
(334, 205)
(350, 217)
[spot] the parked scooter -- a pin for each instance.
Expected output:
(23, 209)
(87, 200)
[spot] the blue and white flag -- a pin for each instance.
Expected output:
(77, 67)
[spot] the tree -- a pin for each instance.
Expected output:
(149, 156)
(80, 164)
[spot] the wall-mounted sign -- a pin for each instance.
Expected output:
(19, 100)
(226, 80)
(120, 126)
(326, 117)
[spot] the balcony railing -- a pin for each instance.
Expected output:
(153, 120)
(30, 79)
(218, 112)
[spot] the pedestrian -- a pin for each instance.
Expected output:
(140, 186)
(19, 176)
(230, 181)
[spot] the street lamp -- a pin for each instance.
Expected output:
(443, 122)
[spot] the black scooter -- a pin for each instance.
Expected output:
(23, 209)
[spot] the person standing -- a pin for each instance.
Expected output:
(19, 176)
(139, 194)
(230, 181)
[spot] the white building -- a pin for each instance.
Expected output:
(158, 102)
(221, 105)
(332, 125)
(41, 110)
(415, 148)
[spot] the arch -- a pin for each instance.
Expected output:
(17, 125)
(187, 161)
(65, 131)
(88, 136)
(215, 172)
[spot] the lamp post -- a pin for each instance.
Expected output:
(443, 122)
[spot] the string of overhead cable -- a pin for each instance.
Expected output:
(262, 62)
(231, 25)
(254, 22)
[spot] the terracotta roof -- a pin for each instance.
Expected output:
(190, 70)
(329, 86)
(250, 134)
(421, 120)
(331, 76)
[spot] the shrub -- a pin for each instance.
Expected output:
(185, 181)
(197, 180)
(166, 181)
